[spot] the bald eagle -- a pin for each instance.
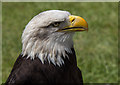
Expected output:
(48, 54)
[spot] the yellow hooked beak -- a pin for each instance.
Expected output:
(76, 24)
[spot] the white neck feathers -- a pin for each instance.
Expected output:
(51, 49)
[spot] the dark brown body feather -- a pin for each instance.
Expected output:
(33, 72)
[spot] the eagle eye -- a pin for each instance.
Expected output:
(56, 24)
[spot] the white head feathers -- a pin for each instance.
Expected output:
(40, 40)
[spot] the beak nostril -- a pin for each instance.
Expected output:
(73, 20)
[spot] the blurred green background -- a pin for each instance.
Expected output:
(96, 50)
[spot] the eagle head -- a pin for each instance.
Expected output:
(48, 35)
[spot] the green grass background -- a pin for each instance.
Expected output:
(0, 42)
(96, 50)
